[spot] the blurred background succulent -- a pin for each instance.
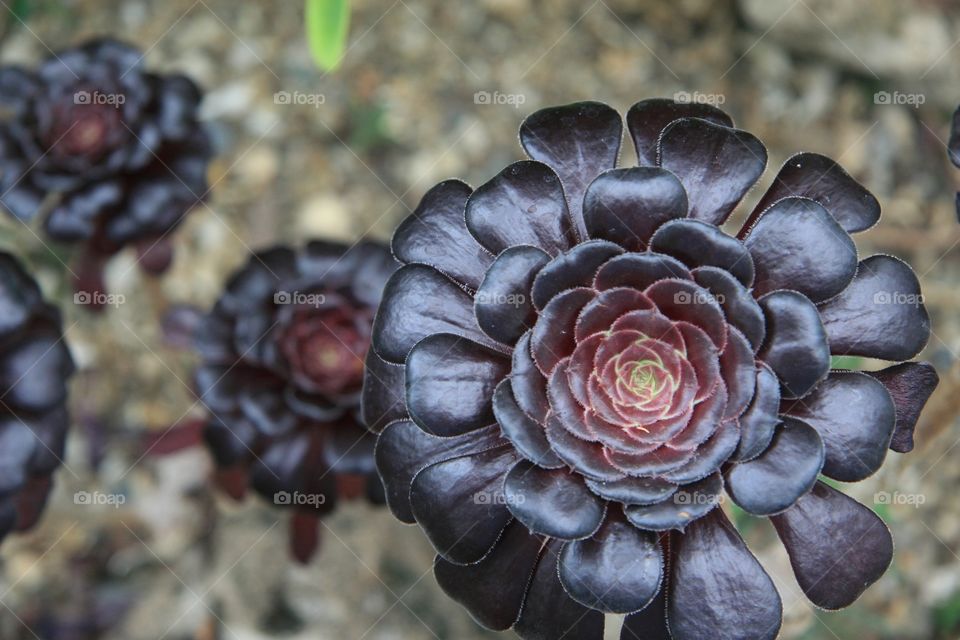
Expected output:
(283, 353)
(104, 152)
(35, 365)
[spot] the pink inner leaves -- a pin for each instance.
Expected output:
(638, 372)
(325, 349)
(632, 378)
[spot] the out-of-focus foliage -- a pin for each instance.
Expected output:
(327, 24)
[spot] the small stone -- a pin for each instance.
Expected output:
(325, 216)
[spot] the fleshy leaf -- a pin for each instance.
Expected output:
(787, 470)
(549, 612)
(436, 234)
(529, 385)
(419, 301)
(717, 588)
(880, 315)
(796, 343)
(552, 502)
(821, 179)
(552, 338)
(617, 570)
(523, 204)
(796, 244)
(639, 271)
(384, 392)
(626, 206)
(503, 302)
(855, 417)
(459, 503)
(716, 164)
(738, 304)
(687, 505)
(647, 119)
(526, 434)
(649, 623)
(450, 383)
(837, 546)
(579, 141)
(698, 244)
(574, 268)
(910, 385)
(403, 449)
(632, 490)
(761, 418)
(492, 589)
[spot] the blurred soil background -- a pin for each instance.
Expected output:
(427, 90)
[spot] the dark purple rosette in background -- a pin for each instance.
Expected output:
(283, 352)
(575, 364)
(35, 366)
(953, 148)
(111, 153)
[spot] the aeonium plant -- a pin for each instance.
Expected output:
(107, 153)
(283, 352)
(35, 366)
(576, 364)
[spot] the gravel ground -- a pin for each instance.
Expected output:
(430, 90)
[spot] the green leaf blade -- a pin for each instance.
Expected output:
(327, 23)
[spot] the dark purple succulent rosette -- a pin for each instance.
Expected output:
(282, 370)
(953, 148)
(35, 366)
(118, 149)
(576, 363)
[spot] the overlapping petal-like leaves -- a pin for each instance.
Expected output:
(114, 153)
(283, 353)
(575, 362)
(35, 366)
